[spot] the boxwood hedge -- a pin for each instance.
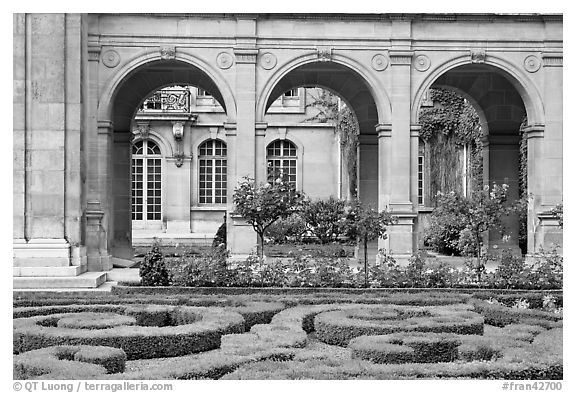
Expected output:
(69, 362)
(138, 341)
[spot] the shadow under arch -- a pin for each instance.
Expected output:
(210, 80)
(270, 91)
(530, 95)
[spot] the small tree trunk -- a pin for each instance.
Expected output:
(366, 262)
(260, 246)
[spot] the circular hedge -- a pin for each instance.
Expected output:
(412, 347)
(69, 362)
(94, 320)
(339, 327)
(183, 330)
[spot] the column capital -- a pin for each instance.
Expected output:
(553, 59)
(245, 55)
(230, 129)
(401, 57)
(261, 128)
(415, 130)
(94, 52)
(384, 130)
(534, 131)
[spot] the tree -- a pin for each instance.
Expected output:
(365, 224)
(325, 218)
(262, 204)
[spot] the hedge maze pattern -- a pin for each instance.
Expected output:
(434, 339)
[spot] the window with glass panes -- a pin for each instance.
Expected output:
(281, 160)
(420, 180)
(212, 172)
(146, 181)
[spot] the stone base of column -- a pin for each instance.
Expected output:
(41, 253)
(548, 234)
(401, 240)
(240, 237)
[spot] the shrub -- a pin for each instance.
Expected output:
(206, 270)
(511, 272)
(95, 320)
(289, 229)
(257, 312)
(499, 315)
(547, 270)
(374, 350)
(339, 327)
(153, 271)
(326, 219)
(69, 362)
(139, 342)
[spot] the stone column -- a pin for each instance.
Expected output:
(48, 43)
(176, 195)
(549, 233)
(384, 138)
(401, 235)
(242, 146)
(261, 165)
(121, 189)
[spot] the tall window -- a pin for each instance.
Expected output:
(420, 179)
(281, 161)
(212, 167)
(146, 181)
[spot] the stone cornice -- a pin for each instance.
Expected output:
(401, 57)
(553, 59)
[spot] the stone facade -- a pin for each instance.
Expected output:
(79, 79)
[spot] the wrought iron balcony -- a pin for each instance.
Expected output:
(172, 100)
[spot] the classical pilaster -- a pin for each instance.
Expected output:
(261, 175)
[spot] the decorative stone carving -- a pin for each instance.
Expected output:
(268, 61)
(379, 62)
(324, 53)
(553, 59)
(111, 58)
(401, 57)
(532, 63)
(422, 63)
(168, 52)
(478, 55)
(141, 130)
(224, 60)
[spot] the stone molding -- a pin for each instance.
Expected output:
(422, 63)
(246, 55)
(384, 130)
(268, 61)
(230, 129)
(534, 131)
(553, 59)
(94, 52)
(415, 130)
(401, 57)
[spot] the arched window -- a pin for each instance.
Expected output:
(281, 161)
(146, 181)
(212, 165)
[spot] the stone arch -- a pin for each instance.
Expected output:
(381, 99)
(524, 86)
(114, 84)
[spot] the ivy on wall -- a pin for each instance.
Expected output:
(446, 127)
(326, 108)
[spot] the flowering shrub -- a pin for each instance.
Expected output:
(289, 229)
(326, 219)
(153, 271)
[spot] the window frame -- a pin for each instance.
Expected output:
(212, 158)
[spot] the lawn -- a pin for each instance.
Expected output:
(152, 333)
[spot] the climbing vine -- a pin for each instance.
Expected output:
(446, 128)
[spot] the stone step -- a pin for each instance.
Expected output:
(68, 271)
(123, 263)
(123, 275)
(85, 280)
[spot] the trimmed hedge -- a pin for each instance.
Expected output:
(69, 362)
(257, 312)
(499, 315)
(93, 320)
(139, 342)
(339, 327)
(424, 348)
